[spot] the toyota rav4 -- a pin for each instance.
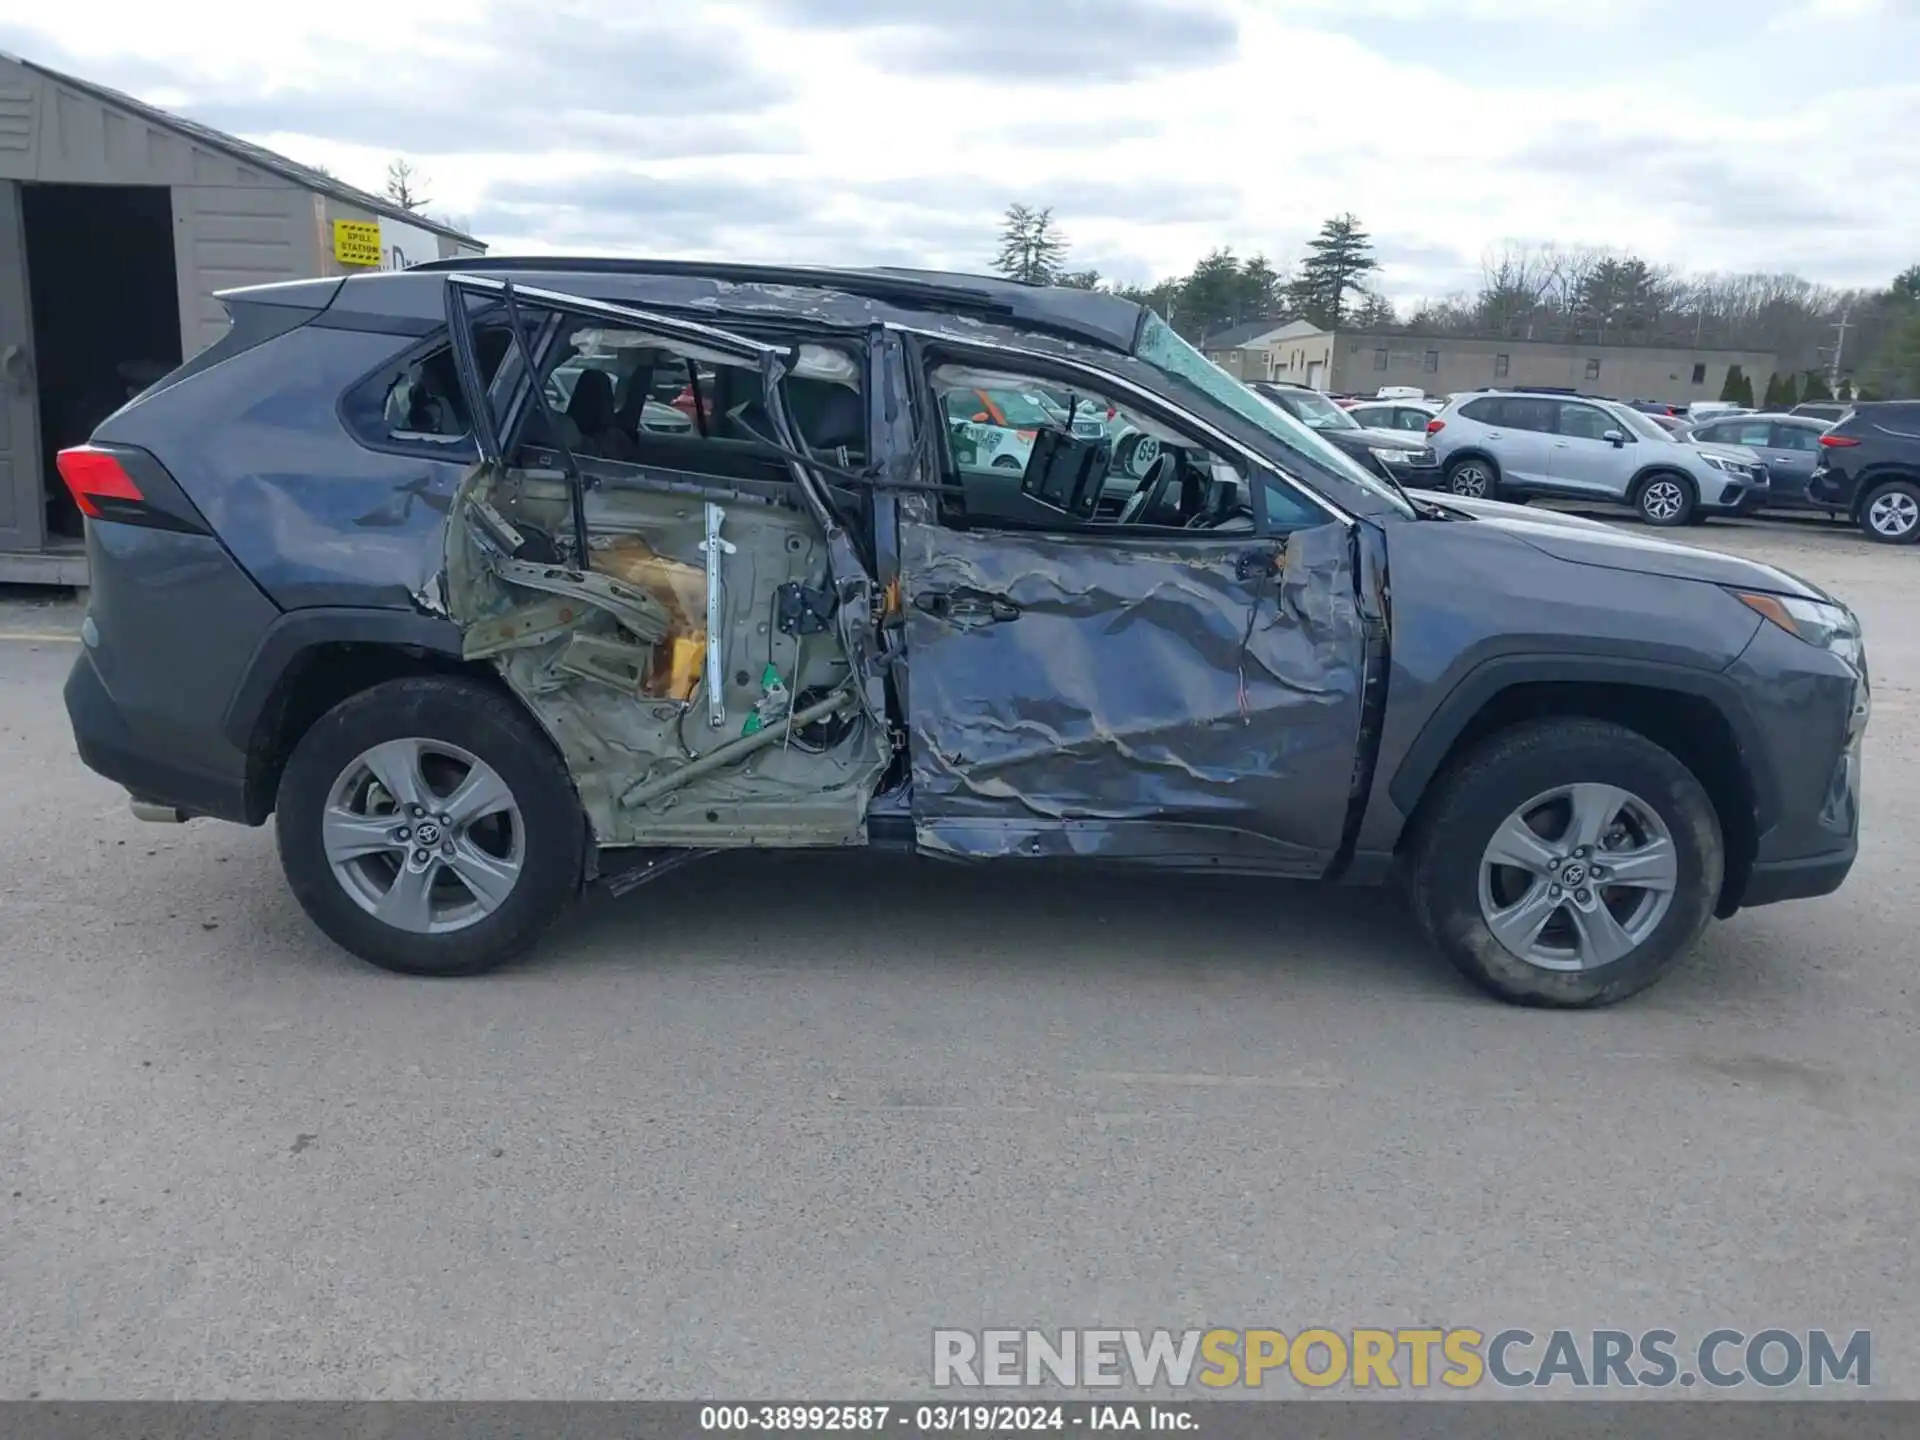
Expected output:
(479, 646)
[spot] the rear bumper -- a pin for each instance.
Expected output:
(111, 744)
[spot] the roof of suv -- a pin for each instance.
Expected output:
(1090, 316)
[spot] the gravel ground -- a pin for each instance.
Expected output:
(758, 1130)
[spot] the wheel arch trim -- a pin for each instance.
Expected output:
(297, 631)
(1485, 682)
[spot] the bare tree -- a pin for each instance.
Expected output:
(404, 185)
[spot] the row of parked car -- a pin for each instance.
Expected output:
(1861, 464)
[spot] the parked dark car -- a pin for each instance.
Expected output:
(1406, 459)
(352, 571)
(1789, 445)
(1869, 470)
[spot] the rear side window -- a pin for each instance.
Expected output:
(416, 404)
(1512, 411)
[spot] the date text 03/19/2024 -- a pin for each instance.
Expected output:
(942, 1419)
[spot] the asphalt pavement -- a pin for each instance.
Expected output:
(759, 1129)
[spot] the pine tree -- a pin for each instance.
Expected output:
(1789, 391)
(1032, 250)
(1338, 261)
(1746, 391)
(1771, 399)
(1816, 388)
(1730, 391)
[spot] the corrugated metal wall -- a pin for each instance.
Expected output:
(234, 224)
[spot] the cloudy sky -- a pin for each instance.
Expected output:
(1710, 134)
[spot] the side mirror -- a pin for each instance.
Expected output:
(1616, 437)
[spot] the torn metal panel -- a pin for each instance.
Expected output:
(1132, 695)
(611, 662)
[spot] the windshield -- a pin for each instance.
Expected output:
(1173, 357)
(1640, 425)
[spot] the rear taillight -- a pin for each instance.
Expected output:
(1435, 426)
(1838, 442)
(98, 482)
(127, 485)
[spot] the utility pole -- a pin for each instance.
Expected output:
(1839, 344)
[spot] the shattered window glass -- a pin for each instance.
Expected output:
(627, 395)
(420, 401)
(1162, 348)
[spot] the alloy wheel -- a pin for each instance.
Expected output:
(423, 835)
(1578, 877)
(1894, 515)
(1470, 480)
(1662, 500)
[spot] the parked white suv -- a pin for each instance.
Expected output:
(1510, 444)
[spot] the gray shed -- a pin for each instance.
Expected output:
(118, 222)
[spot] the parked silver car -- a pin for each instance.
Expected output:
(1409, 415)
(1509, 444)
(1789, 446)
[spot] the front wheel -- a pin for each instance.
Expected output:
(428, 826)
(1665, 500)
(1566, 863)
(1474, 478)
(1891, 513)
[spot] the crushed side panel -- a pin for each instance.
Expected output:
(612, 661)
(1144, 682)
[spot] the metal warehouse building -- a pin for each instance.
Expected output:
(118, 222)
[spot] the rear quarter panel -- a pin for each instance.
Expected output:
(315, 517)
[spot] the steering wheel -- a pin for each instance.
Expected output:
(1152, 491)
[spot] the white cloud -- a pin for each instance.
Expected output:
(806, 129)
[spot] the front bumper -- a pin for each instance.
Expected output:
(1811, 710)
(1421, 474)
(1772, 881)
(1736, 494)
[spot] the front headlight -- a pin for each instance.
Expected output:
(1730, 467)
(1828, 627)
(1393, 457)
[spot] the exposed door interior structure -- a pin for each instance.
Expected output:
(105, 317)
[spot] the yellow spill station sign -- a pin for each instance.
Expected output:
(356, 242)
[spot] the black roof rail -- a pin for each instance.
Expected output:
(1086, 315)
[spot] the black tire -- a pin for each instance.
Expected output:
(1477, 472)
(1501, 774)
(1654, 500)
(1885, 507)
(487, 724)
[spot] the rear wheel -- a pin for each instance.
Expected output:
(427, 826)
(1891, 513)
(1665, 500)
(1474, 478)
(1567, 863)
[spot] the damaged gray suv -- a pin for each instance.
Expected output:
(406, 563)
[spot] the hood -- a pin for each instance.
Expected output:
(1581, 541)
(1739, 453)
(1374, 439)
